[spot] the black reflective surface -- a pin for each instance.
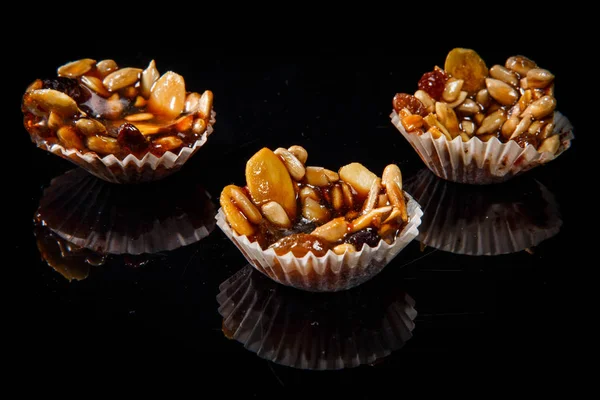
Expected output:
(163, 314)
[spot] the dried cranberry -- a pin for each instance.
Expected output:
(434, 83)
(414, 105)
(366, 236)
(68, 86)
(129, 136)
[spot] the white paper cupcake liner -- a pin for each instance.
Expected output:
(110, 219)
(466, 220)
(477, 162)
(313, 331)
(131, 169)
(331, 272)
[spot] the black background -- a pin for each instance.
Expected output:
(500, 317)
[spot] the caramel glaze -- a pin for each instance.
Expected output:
(298, 239)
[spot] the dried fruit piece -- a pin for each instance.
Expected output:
(405, 100)
(129, 136)
(68, 86)
(467, 65)
(366, 236)
(434, 83)
(269, 180)
(412, 122)
(359, 177)
(168, 95)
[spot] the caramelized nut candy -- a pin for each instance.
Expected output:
(168, 95)
(316, 176)
(103, 145)
(90, 127)
(332, 231)
(359, 177)
(269, 180)
(314, 211)
(52, 100)
(69, 138)
(239, 210)
(168, 143)
(121, 78)
(76, 68)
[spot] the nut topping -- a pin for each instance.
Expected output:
(97, 99)
(318, 210)
(510, 102)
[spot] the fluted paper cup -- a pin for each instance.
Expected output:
(331, 272)
(480, 163)
(131, 169)
(115, 219)
(484, 221)
(317, 331)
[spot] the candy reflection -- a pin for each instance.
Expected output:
(484, 220)
(315, 330)
(81, 220)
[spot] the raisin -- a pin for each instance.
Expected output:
(367, 236)
(130, 137)
(414, 105)
(68, 86)
(434, 83)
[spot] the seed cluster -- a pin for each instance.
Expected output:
(98, 107)
(511, 102)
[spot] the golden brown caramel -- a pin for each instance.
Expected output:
(511, 102)
(295, 208)
(97, 107)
